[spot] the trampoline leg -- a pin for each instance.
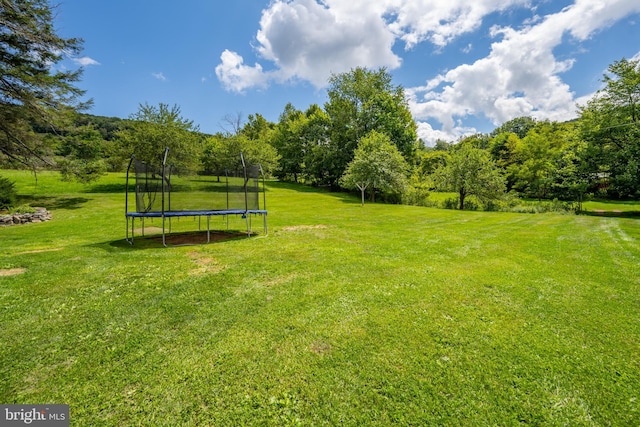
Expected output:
(142, 222)
(133, 222)
(208, 229)
(164, 242)
(126, 238)
(264, 219)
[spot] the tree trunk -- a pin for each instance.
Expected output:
(462, 195)
(362, 188)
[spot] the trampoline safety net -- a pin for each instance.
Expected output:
(163, 191)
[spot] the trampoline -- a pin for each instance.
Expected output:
(164, 192)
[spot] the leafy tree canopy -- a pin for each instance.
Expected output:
(611, 126)
(153, 128)
(470, 171)
(31, 88)
(377, 164)
(362, 101)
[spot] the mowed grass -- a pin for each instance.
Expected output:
(343, 315)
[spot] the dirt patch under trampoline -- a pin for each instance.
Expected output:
(195, 238)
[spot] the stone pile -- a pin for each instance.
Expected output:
(40, 215)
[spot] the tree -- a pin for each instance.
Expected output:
(152, 129)
(505, 148)
(82, 150)
(288, 141)
(362, 101)
(537, 153)
(31, 88)
(519, 126)
(610, 123)
(377, 164)
(470, 171)
(222, 152)
(257, 128)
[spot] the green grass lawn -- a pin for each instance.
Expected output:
(343, 315)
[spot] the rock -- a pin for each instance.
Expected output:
(40, 215)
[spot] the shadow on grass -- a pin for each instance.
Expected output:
(302, 188)
(52, 203)
(106, 188)
(616, 202)
(190, 238)
(352, 198)
(612, 214)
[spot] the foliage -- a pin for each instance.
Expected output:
(154, 128)
(288, 140)
(83, 151)
(470, 171)
(22, 209)
(537, 152)
(257, 128)
(610, 123)
(31, 87)
(362, 101)
(519, 126)
(8, 193)
(377, 164)
(222, 152)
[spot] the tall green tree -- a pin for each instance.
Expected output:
(537, 153)
(288, 140)
(377, 165)
(362, 101)
(257, 128)
(32, 89)
(519, 126)
(610, 124)
(154, 128)
(505, 148)
(222, 153)
(82, 152)
(470, 171)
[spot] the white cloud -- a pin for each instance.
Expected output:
(85, 61)
(441, 21)
(159, 76)
(311, 39)
(520, 76)
(308, 40)
(430, 135)
(236, 76)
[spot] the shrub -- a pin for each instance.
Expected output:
(8, 194)
(418, 196)
(23, 209)
(451, 203)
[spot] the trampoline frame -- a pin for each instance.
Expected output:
(166, 214)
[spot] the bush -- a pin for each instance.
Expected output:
(23, 209)
(493, 206)
(8, 194)
(417, 196)
(451, 203)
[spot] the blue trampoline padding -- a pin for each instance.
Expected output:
(169, 214)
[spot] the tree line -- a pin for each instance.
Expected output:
(363, 138)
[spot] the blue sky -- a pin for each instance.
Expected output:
(466, 66)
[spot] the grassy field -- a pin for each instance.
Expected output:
(343, 315)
